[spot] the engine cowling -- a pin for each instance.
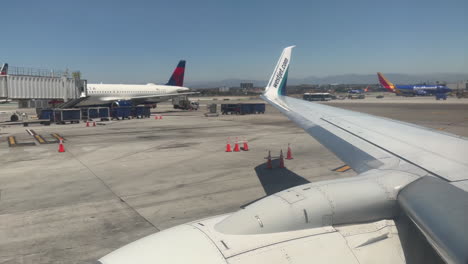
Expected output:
(122, 103)
(366, 198)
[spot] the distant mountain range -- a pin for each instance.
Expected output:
(396, 78)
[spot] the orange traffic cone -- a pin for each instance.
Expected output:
(281, 165)
(246, 146)
(269, 166)
(228, 146)
(236, 146)
(94, 124)
(156, 117)
(87, 124)
(160, 117)
(289, 154)
(61, 147)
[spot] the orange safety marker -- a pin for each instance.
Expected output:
(289, 154)
(156, 117)
(236, 146)
(269, 166)
(160, 117)
(246, 146)
(87, 124)
(61, 147)
(94, 123)
(281, 165)
(228, 146)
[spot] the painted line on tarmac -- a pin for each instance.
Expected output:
(30, 132)
(57, 136)
(39, 138)
(343, 168)
(12, 142)
(121, 199)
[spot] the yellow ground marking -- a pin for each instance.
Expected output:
(40, 139)
(12, 140)
(344, 168)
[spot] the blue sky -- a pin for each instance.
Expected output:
(141, 41)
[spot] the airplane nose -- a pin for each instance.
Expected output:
(179, 245)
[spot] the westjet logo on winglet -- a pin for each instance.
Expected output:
(280, 72)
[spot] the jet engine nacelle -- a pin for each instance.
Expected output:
(122, 103)
(307, 210)
(366, 198)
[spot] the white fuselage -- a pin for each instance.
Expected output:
(106, 93)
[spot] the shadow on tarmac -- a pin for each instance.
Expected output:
(276, 179)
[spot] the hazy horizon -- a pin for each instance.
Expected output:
(122, 41)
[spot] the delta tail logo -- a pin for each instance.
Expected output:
(4, 69)
(177, 78)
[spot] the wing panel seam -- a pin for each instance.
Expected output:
(384, 149)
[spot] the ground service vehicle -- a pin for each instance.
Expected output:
(317, 96)
(356, 96)
(184, 103)
(242, 109)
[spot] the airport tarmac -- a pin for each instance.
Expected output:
(122, 180)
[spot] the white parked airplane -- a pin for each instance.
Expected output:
(409, 203)
(150, 93)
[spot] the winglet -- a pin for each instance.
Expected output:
(277, 84)
(386, 83)
(4, 69)
(177, 77)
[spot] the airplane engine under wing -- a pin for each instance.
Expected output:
(361, 199)
(336, 221)
(122, 103)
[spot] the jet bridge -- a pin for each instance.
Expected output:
(26, 84)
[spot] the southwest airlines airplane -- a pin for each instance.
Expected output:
(412, 90)
(99, 94)
(408, 203)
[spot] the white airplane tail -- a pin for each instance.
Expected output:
(277, 84)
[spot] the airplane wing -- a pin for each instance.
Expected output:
(436, 202)
(146, 97)
(410, 178)
(162, 95)
(368, 142)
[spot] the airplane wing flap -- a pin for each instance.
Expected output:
(367, 142)
(111, 99)
(360, 155)
(162, 95)
(432, 156)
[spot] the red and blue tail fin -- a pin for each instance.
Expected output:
(177, 78)
(386, 83)
(4, 69)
